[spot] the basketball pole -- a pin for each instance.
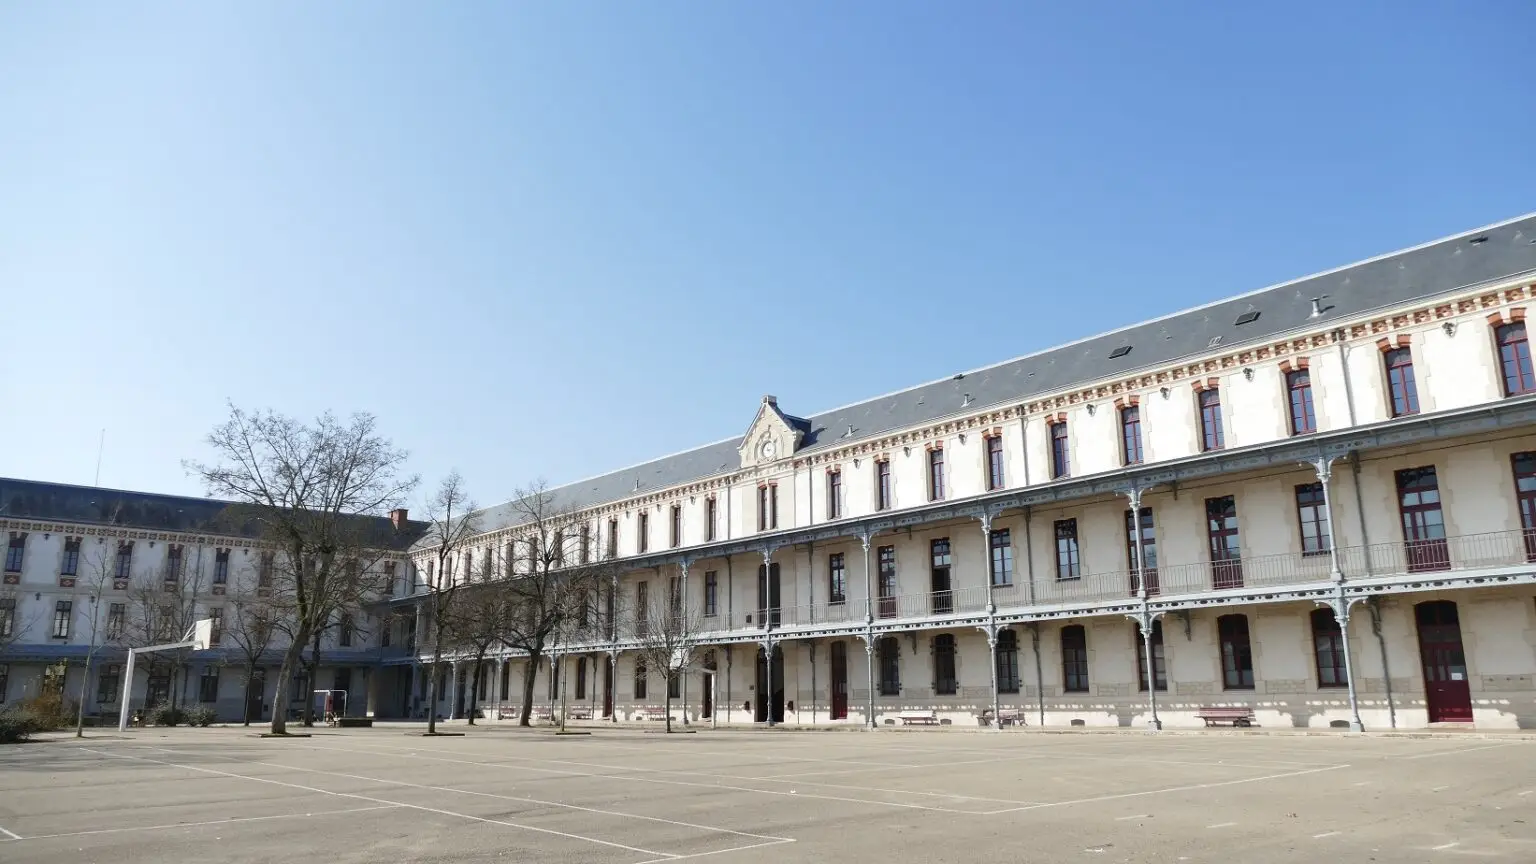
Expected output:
(197, 638)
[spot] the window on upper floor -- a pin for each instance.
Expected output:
(70, 566)
(1211, 434)
(834, 494)
(1403, 389)
(221, 566)
(642, 609)
(1148, 548)
(995, 477)
(1061, 465)
(642, 533)
(1068, 563)
(883, 484)
(711, 593)
(709, 519)
(837, 579)
(1515, 359)
(215, 617)
(173, 562)
(7, 617)
(62, 611)
(1000, 544)
(1298, 385)
(936, 474)
(1312, 515)
(1236, 652)
(675, 526)
(265, 572)
(613, 538)
(117, 615)
(1524, 465)
(345, 630)
(1130, 435)
(584, 544)
(768, 507)
(15, 551)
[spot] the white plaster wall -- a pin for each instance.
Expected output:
(1257, 411)
(1095, 439)
(1169, 427)
(1329, 396)
(1456, 371)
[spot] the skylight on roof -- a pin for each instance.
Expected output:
(1247, 318)
(1120, 352)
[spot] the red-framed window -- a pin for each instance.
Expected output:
(1159, 660)
(1312, 516)
(711, 509)
(1298, 385)
(642, 539)
(883, 484)
(885, 558)
(1211, 435)
(834, 494)
(1061, 465)
(1236, 652)
(1418, 503)
(1130, 435)
(837, 579)
(995, 477)
(1068, 558)
(1524, 465)
(1000, 544)
(1403, 388)
(1515, 359)
(1328, 648)
(1148, 548)
(1225, 542)
(936, 474)
(1074, 659)
(676, 530)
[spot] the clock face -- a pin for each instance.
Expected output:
(767, 449)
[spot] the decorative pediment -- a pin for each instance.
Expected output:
(772, 436)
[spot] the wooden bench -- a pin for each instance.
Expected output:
(1005, 717)
(579, 713)
(918, 718)
(653, 712)
(1234, 715)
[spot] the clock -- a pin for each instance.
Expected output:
(767, 450)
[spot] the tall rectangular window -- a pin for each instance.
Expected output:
(71, 563)
(1515, 359)
(995, 477)
(710, 531)
(642, 534)
(711, 594)
(14, 552)
(1130, 435)
(1211, 435)
(834, 494)
(1074, 659)
(640, 676)
(1225, 543)
(1524, 465)
(117, 615)
(675, 598)
(837, 579)
(61, 614)
(345, 628)
(1000, 544)
(221, 566)
(890, 666)
(1236, 652)
(883, 484)
(584, 544)
(1061, 464)
(1159, 662)
(768, 507)
(1403, 389)
(7, 617)
(1068, 565)
(1298, 385)
(936, 474)
(642, 609)
(1007, 661)
(944, 678)
(208, 685)
(1312, 514)
(613, 538)
(1418, 491)
(885, 557)
(108, 683)
(1328, 648)
(943, 595)
(122, 565)
(1148, 548)
(173, 562)
(266, 569)
(675, 527)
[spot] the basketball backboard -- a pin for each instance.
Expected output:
(202, 634)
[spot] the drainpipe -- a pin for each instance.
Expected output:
(1349, 387)
(1034, 638)
(1024, 442)
(1386, 669)
(869, 629)
(1365, 534)
(1029, 555)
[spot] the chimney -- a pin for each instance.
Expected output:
(397, 517)
(771, 400)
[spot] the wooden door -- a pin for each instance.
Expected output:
(255, 689)
(839, 680)
(1447, 692)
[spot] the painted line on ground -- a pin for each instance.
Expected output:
(11, 834)
(652, 852)
(1326, 834)
(1222, 825)
(1444, 846)
(1136, 816)
(1439, 788)
(799, 782)
(779, 842)
(230, 820)
(1165, 790)
(1463, 750)
(1527, 792)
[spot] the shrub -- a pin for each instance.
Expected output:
(48, 712)
(16, 726)
(201, 716)
(165, 715)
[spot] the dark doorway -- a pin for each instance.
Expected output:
(1447, 692)
(254, 690)
(839, 680)
(342, 704)
(708, 708)
(767, 594)
(770, 696)
(607, 685)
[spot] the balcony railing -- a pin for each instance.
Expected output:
(1468, 552)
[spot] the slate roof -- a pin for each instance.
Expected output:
(31, 499)
(1443, 266)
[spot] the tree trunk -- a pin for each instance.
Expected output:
(85, 683)
(474, 693)
(432, 697)
(668, 707)
(284, 673)
(311, 677)
(529, 673)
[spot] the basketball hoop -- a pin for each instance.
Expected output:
(199, 637)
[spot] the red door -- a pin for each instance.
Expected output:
(1418, 499)
(1447, 692)
(839, 680)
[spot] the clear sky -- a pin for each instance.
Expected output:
(550, 239)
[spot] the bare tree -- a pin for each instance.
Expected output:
(549, 594)
(477, 623)
(257, 618)
(314, 492)
(451, 523)
(98, 580)
(669, 636)
(13, 626)
(165, 601)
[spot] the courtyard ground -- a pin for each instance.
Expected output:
(623, 796)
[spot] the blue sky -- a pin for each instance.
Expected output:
(553, 239)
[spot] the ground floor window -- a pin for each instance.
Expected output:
(890, 666)
(581, 677)
(107, 683)
(674, 686)
(5, 679)
(1236, 652)
(208, 685)
(639, 677)
(506, 678)
(944, 683)
(1159, 663)
(554, 679)
(1074, 659)
(1007, 661)
(1328, 646)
